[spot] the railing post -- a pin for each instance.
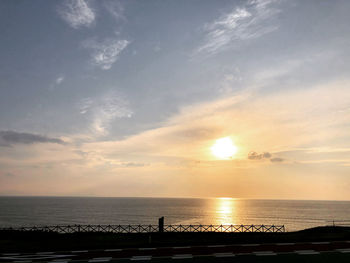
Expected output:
(161, 224)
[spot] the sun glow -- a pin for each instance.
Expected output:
(224, 148)
(226, 211)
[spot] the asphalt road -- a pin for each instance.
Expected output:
(277, 252)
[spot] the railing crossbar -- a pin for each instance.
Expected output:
(151, 228)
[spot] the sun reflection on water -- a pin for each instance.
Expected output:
(225, 211)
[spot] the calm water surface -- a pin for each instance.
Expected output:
(295, 215)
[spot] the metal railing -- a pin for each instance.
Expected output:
(150, 228)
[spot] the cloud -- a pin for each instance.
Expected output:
(105, 53)
(276, 160)
(132, 164)
(115, 8)
(250, 21)
(256, 156)
(8, 138)
(59, 80)
(265, 155)
(103, 110)
(77, 13)
(250, 120)
(175, 145)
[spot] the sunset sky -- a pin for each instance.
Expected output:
(128, 98)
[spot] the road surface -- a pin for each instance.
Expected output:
(335, 251)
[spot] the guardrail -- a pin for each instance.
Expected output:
(150, 228)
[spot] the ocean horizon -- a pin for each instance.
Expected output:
(295, 215)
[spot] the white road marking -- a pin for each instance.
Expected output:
(147, 248)
(45, 253)
(307, 252)
(141, 258)
(36, 257)
(181, 247)
(250, 245)
(105, 259)
(343, 250)
(22, 261)
(319, 243)
(285, 244)
(243, 254)
(264, 253)
(217, 246)
(223, 255)
(182, 256)
(113, 250)
(79, 251)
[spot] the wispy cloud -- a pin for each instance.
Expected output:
(105, 53)
(59, 80)
(249, 21)
(258, 156)
(8, 138)
(104, 110)
(264, 156)
(115, 8)
(77, 13)
(199, 126)
(276, 160)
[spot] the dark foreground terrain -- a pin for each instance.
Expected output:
(322, 244)
(33, 241)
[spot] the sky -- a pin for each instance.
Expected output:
(127, 98)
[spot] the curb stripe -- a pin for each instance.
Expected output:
(223, 255)
(182, 256)
(264, 253)
(343, 250)
(141, 258)
(310, 253)
(217, 246)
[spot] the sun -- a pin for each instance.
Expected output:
(224, 148)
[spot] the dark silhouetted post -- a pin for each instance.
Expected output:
(161, 224)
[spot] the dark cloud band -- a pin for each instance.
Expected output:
(8, 138)
(265, 155)
(258, 156)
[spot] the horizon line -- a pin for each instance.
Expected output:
(175, 197)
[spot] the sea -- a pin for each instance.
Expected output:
(293, 214)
